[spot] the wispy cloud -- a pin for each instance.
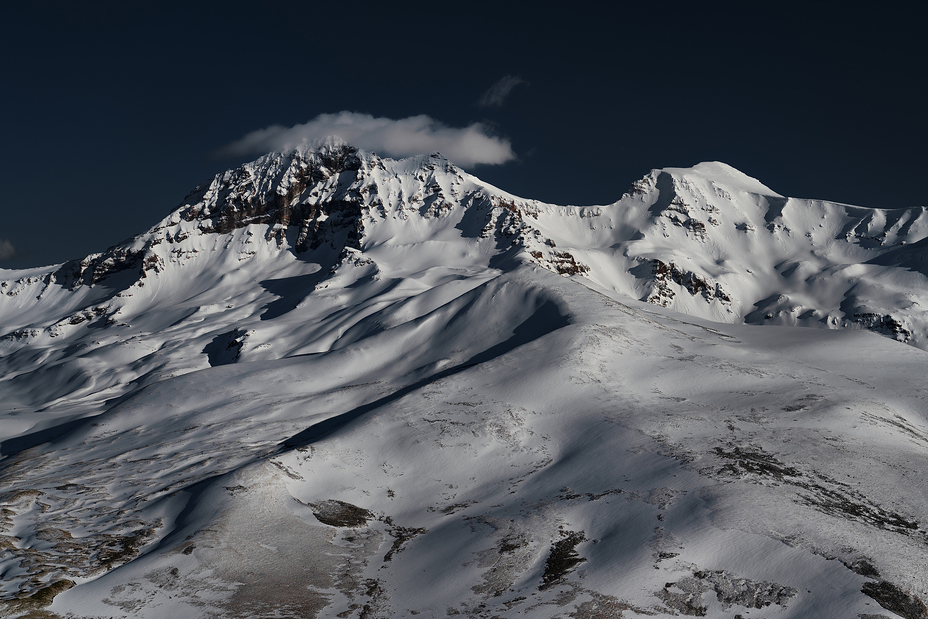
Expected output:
(498, 92)
(415, 135)
(7, 250)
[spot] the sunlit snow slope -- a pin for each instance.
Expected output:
(330, 384)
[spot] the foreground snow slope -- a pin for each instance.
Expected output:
(331, 384)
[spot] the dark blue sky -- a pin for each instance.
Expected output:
(111, 112)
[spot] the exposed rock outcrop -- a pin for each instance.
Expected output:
(664, 274)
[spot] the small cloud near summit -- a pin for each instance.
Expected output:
(498, 92)
(403, 137)
(7, 250)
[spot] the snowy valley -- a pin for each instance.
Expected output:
(330, 384)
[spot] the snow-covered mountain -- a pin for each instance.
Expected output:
(333, 384)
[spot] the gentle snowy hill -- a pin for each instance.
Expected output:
(332, 384)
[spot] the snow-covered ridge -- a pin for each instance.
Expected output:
(708, 241)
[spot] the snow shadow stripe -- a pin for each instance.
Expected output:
(546, 319)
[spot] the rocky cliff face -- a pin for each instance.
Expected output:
(301, 189)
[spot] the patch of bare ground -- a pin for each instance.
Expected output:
(605, 607)
(340, 514)
(562, 559)
(513, 553)
(686, 595)
(30, 607)
(894, 599)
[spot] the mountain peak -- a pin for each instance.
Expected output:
(725, 175)
(322, 145)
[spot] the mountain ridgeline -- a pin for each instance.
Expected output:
(707, 241)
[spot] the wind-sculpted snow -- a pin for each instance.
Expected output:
(334, 385)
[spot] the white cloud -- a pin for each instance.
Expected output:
(7, 250)
(498, 92)
(415, 135)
